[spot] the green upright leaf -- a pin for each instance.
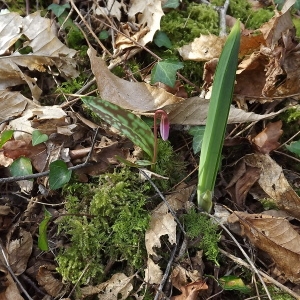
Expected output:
(5, 136)
(38, 137)
(197, 132)
(42, 239)
(21, 167)
(165, 72)
(59, 174)
(218, 111)
(161, 39)
(126, 122)
(294, 147)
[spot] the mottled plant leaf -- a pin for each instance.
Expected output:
(126, 122)
(294, 147)
(171, 4)
(197, 132)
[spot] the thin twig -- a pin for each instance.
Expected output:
(13, 274)
(164, 199)
(167, 271)
(243, 252)
(46, 173)
(266, 276)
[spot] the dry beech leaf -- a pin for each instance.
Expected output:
(45, 278)
(193, 111)
(243, 179)
(19, 248)
(153, 272)
(136, 96)
(267, 140)
(191, 290)
(180, 276)
(274, 183)
(204, 48)
(274, 236)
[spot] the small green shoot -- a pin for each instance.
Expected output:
(294, 147)
(126, 122)
(38, 137)
(21, 167)
(218, 111)
(42, 239)
(5, 136)
(59, 174)
(165, 71)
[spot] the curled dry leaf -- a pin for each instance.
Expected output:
(191, 290)
(274, 183)
(19, 249)
(274, 236)
(267, 140)
(47, 280)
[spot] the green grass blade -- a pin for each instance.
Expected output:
(218, 111)
(126, 122)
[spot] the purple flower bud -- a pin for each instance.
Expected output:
(164, 124)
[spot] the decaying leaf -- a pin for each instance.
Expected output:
(153, 272)
(274, 183)
(243, 179)
(47, 280)
(267, 140)
(118, 285)
(19, 249)
(191, 290)
(274, 236)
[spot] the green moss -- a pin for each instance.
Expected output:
(268, 203)
(259, 17)
(183, 26)
(199, 225)
(296, 22)
(105, 221)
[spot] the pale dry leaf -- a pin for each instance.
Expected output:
(191, 290)
(148, 13)
(19, 249)
(267, 140)
(274, 183)
(136, 96)
(274, 236)
(181, 276)
(204, 48)
(153, 273)
(193, 111)
(111, 8)
(118, 287)
(13, 104)
(160, 224)
(46, 279)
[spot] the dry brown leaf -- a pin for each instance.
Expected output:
(136, 96)
(9, 289)
(204, 48)
(191, 290)
(274, 183)
(19, 247)
(267, 140)
(243, 179)
(153, 272)
(193, 111)
(274, 236)
(47, 280)
(118, 287)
